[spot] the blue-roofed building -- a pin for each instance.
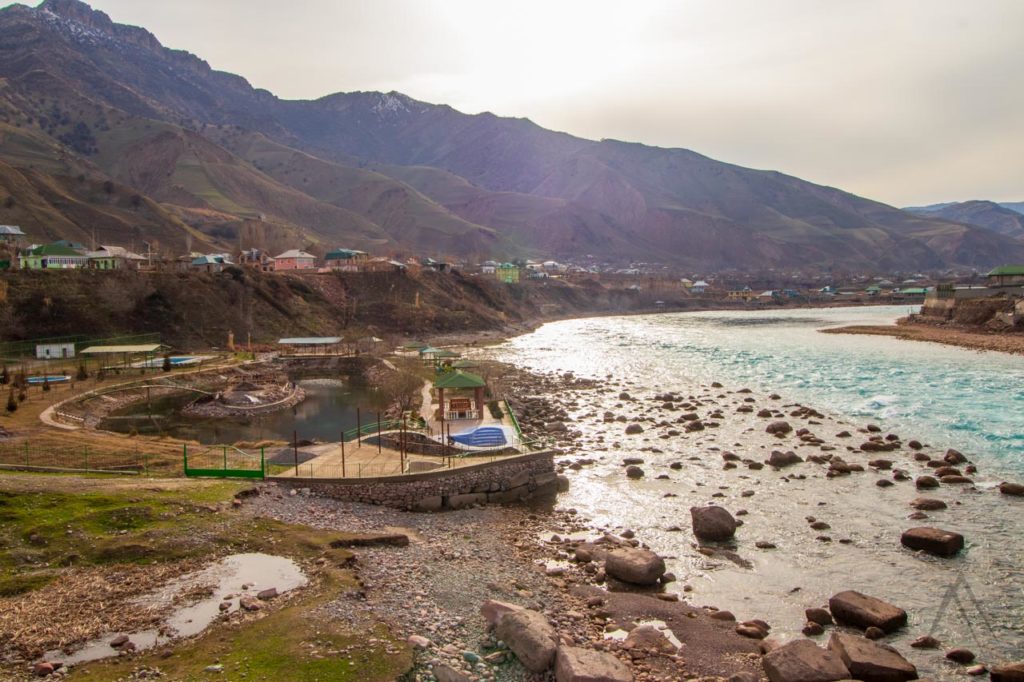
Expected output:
(213, 262)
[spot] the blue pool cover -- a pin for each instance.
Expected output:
(484, 436)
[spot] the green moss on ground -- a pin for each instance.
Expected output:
(50, 522)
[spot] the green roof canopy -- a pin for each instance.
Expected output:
(462, 364)
(460, 379)
(1005, 270)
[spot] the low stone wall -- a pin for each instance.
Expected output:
(500, 482)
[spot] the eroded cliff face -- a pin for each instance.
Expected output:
(199, 309)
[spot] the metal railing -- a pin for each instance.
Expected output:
(85, 459)
(223, 461)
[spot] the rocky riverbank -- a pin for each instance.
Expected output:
(653, 452)
(999, 341)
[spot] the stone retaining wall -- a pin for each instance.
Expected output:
(500, 482)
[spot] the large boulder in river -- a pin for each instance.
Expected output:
(803, 661)
(870, 661)
(933, 540)
(530, 637)
(860, 610)
(574, 664)
(634, 566)
(634, 429)
(713, 523)
(779, 428)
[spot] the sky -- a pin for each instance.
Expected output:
(906, 101)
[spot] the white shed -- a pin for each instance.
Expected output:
(50, 351)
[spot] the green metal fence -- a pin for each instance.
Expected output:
(223, 461)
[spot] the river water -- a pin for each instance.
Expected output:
(944, 396)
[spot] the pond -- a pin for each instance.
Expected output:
(328, 409)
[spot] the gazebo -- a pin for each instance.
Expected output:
(459, 405)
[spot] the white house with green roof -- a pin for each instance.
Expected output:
(52, 257)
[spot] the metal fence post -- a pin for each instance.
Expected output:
(184, 454)
(225, 449)
(263, 464)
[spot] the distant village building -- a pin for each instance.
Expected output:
(699, 287)
(54, 256)
(1006, 276)
(346, 260)
(294, 259)
(11, 235)
(257, 259)
(507, 273)
(214, 262)
(114, 258)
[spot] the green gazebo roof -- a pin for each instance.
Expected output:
(460, 379)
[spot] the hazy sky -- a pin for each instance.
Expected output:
(905, 101)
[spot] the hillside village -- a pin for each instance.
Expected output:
(770, 287)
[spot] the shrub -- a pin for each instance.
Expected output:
(167, 363)
(83, 373)
(495, 409)
(12, 404)
(46, 384)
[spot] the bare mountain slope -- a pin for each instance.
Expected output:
(440, 179)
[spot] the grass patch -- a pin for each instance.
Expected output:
(296, 643)
(45, 526)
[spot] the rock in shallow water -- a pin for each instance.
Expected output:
(635, 566)
(935, 541)
(713, 523)
(860, 610)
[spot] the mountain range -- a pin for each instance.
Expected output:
(107, 135)
(1006, 218)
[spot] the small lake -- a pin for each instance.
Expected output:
(328, 409)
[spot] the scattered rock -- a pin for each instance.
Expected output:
(634, 471)
(779, 428)
(783, 459)
(804, 661)
(713, 523)
(492, 610)
(960, 655)
(1009, 672)
(574, 664)
(935, 541)
(926, 482)
(530, 637)
(818, 615)
(927, 504)
(635, 566)
(267, 595)
(925, 642)
(870, 661)
(1014, 489)
(634, 429)
(860, 610)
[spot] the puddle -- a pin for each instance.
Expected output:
(663, 627)
(225, 578)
